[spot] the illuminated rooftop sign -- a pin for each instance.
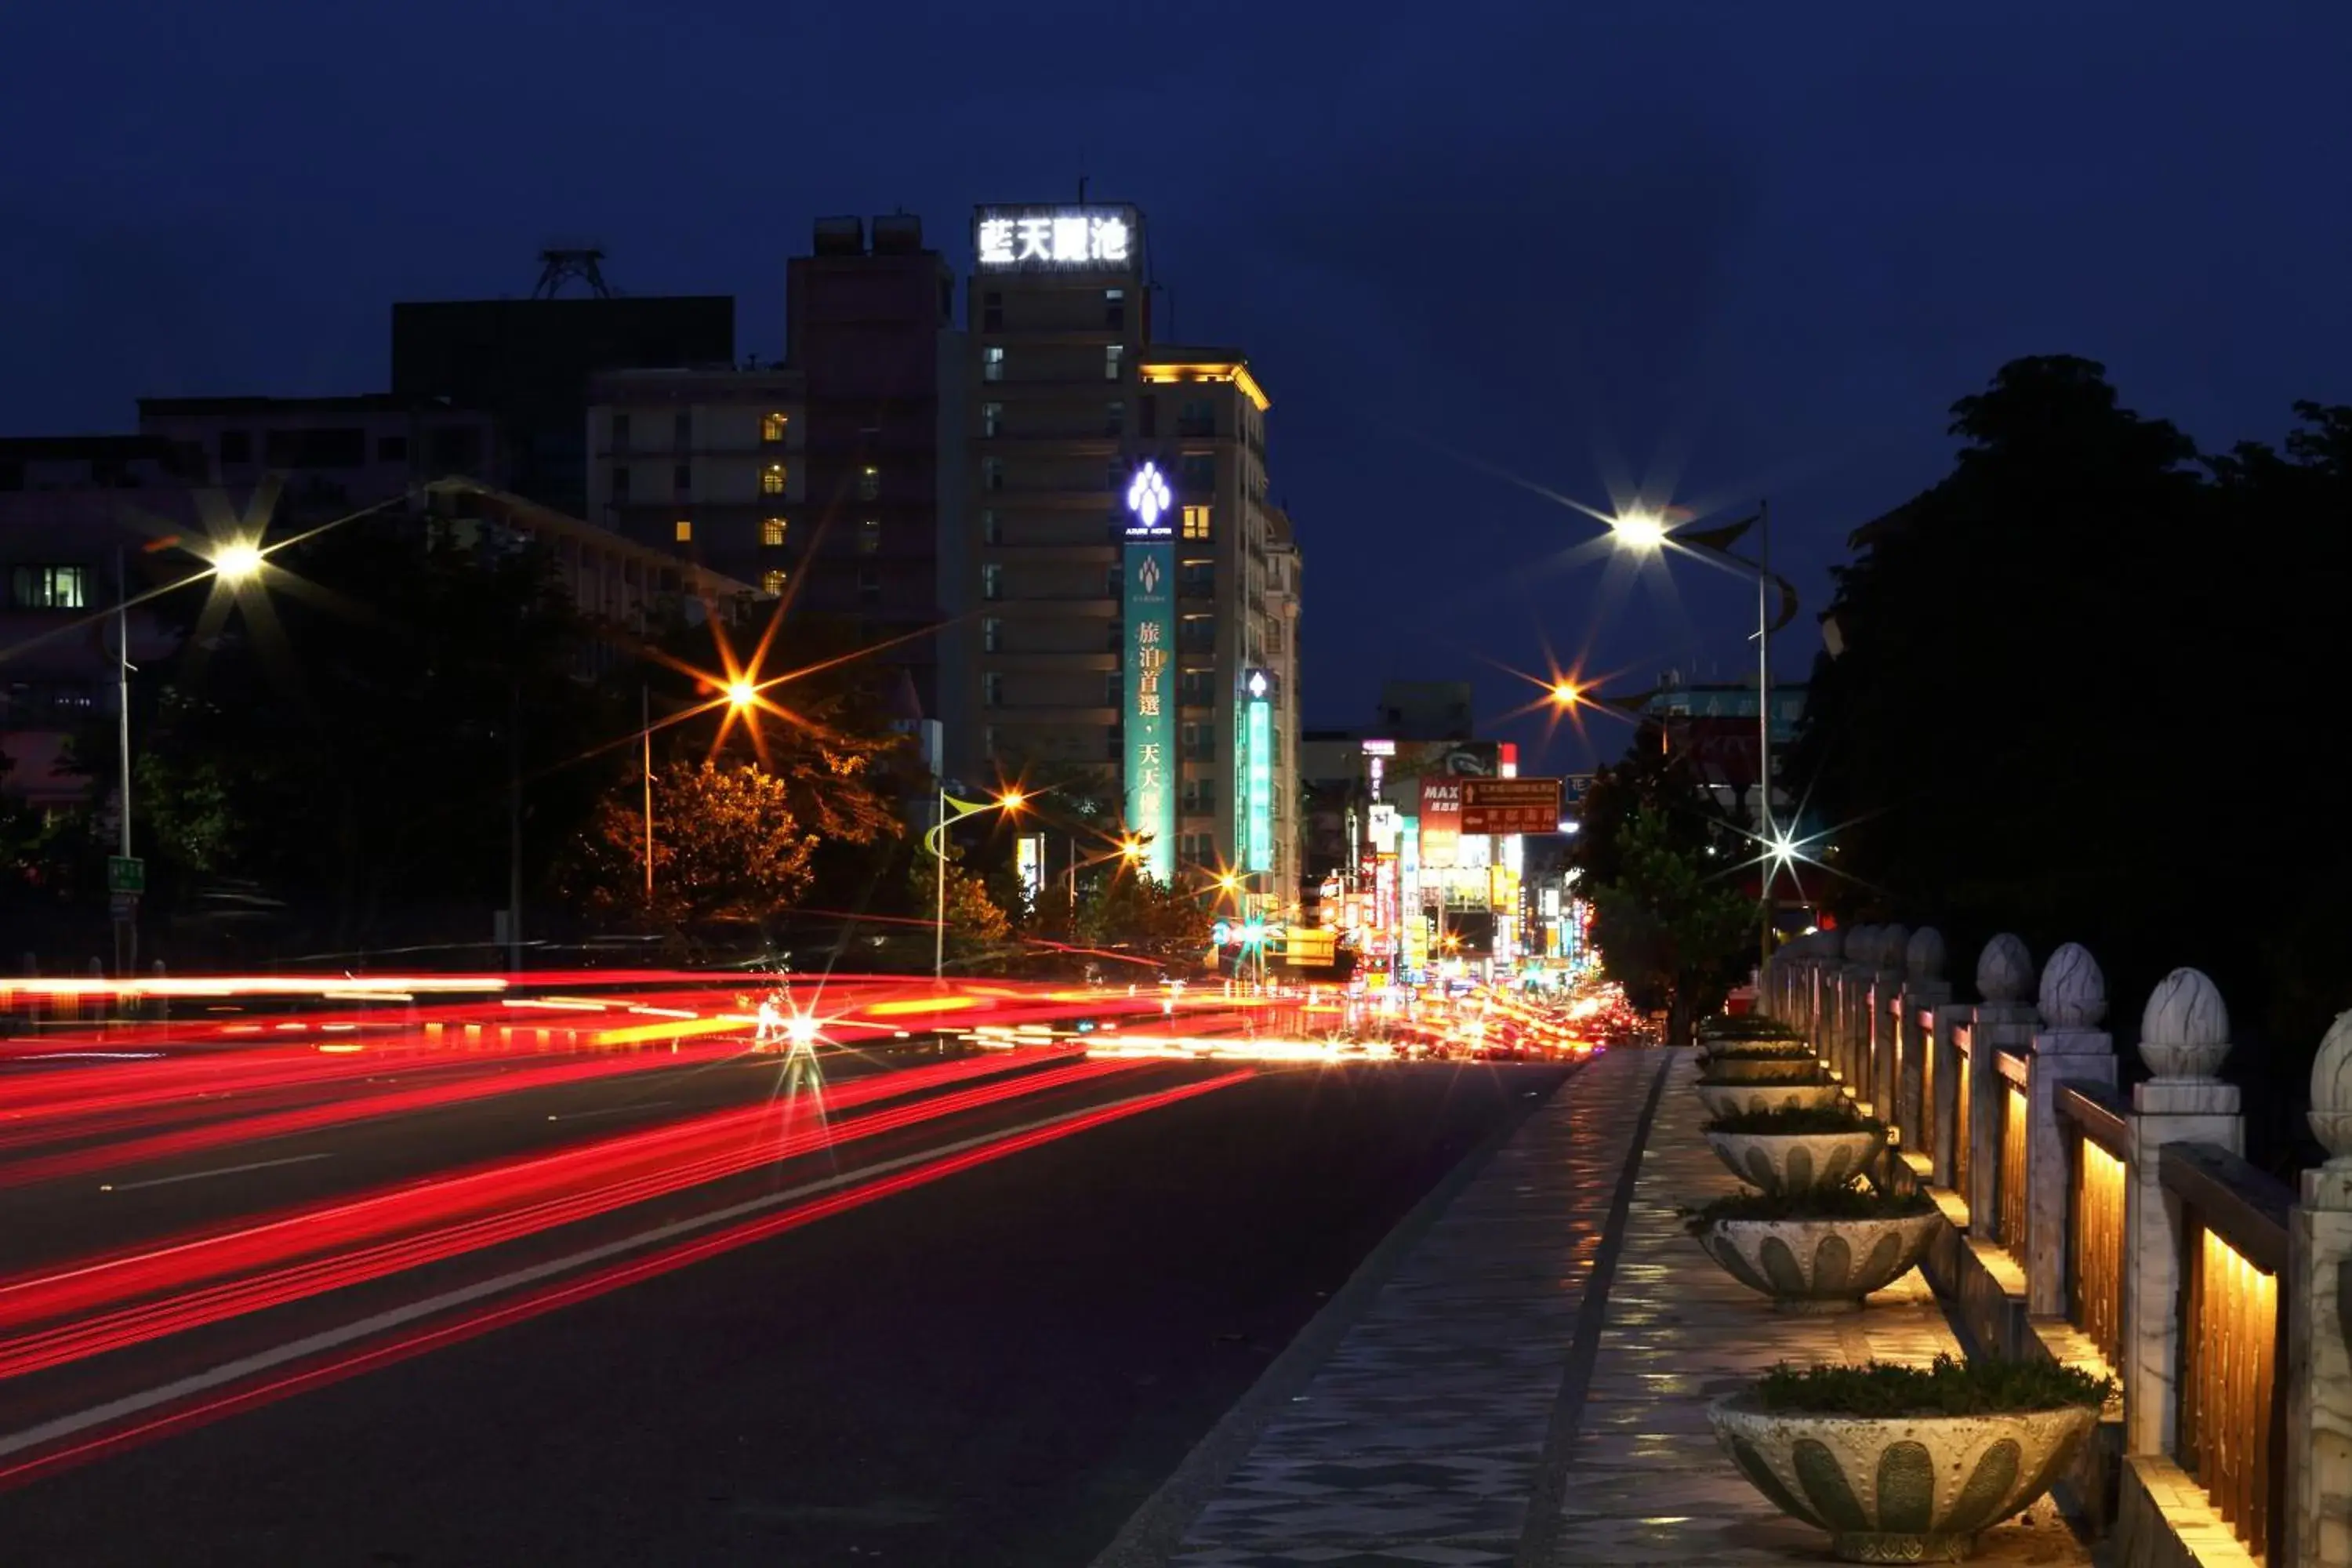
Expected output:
(1096, 239)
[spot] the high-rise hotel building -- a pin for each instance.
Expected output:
(1134, 594)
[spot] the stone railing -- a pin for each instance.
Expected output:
(2125, 1234)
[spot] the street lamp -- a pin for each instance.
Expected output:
(1009, 800)
(1646, 532)
(237, 562)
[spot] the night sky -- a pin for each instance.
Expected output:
(1717, 250)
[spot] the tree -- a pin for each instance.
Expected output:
(978, 928)
(2074, 702)
(1670, 930)
(726, 847)
(1137, 914)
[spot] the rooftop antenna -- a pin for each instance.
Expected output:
(560, 260)
(1082, 176)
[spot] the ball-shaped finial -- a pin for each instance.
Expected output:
(2074, 991)
(1924, 957)
(2331, 1093)
(1830, 943)
(2004, 969)
(1891, 941)
(1862, 946)
(2185, 1031)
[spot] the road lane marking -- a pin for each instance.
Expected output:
(223, 1170)
(330, 1339)
(613, 1110)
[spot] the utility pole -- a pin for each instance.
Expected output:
(645, 736)
(939, 930)
(128, 944)
(1764, 737)
(514, 827)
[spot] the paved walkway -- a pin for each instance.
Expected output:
(1530, 1386)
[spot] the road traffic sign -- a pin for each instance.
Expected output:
(125, 874)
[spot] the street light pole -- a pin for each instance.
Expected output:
(1764, 737)
(128, 947)
(939, 885)
(646, 764)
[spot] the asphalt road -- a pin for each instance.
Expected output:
(994, 1369)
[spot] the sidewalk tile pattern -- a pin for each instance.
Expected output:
(1421, 1441)
(1646, 1482)
(1417, 1444)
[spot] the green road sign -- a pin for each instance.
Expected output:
(125, 874)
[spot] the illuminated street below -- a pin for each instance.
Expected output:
(942, 1275)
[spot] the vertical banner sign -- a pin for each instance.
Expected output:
(1029, 860)
(1257, 842)
(1441, 820)
(1148, 602)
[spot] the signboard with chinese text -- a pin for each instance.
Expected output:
(1148, 600)
(1257, 788)
(1504, 807)
(1441, 819)
(1059, 238)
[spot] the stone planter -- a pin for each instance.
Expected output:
(1741, 1098)
(1799, 1162)
(1819, 1265)
(1899, 1488)
(1755, 1050)
(1764, 1070)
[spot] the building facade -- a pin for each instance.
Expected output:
(330, 456)
(527, 364)
(870, 326)
(1134, 594)
(701, 465)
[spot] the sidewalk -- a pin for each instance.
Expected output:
(1529, 1385)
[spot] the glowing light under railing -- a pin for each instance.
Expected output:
(664, 1012)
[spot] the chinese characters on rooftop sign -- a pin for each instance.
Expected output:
(1094, 238)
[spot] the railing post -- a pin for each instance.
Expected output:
(1923, 989)
(1853, 1009)
(2184, 1035)
(1885, 985)
(2317, 1526)
(2004, 1021)
(1950, 1017)
(1820, 997)
(2069, 1047)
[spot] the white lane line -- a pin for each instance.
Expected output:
(612, 1110)
(202, 1175)
(329, 1339)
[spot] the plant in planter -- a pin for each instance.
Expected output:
(1905, 1464)
(1797, 1150)
(1757, 1051)
(1802, 1068)
(1817, 1252)
(1749, 1029)
(1734, 1096)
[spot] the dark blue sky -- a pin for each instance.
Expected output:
(1748, 249)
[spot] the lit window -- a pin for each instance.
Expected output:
(992, 634)
(1114, 357)
(771, 532)
(991, 364)
(51, 587)
(773, 427)
(771, 479)
(1196, 523)
(991, 581)
(684, 532)
(1114, 308)
(869, 482)
(771, 582)
(870, 535)
(992, 419)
